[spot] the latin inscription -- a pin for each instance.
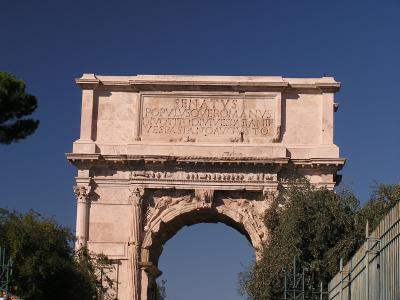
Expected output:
(207, 117)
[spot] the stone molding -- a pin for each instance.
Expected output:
(207, 83)
(98, 159)
(88, 81)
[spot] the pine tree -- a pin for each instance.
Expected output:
(15, 106)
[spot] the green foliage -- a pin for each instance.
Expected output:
(45, 266)
(161, 293)
(96, 270)
(317, 225)
(15, 105)
(384, 197)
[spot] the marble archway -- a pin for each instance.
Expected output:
(156, 153)
(166, 212)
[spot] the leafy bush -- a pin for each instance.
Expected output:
(318, 226)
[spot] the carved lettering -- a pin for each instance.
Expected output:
(202, 117)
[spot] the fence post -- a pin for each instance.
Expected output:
(302, 285)
(294, 277)
(285, 284)
(373, 272)
(367, 261)
(320, 291)
(5, 273)
(341, 278)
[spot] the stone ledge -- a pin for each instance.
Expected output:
(338, 163)
(233, 150)
(177, 159)
(188, 82)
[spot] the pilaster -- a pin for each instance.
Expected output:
(327, 118)
(88, 83)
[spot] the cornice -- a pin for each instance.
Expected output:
(198, 85)
(208, 83)
(88, 81)
(86, 157)
(76, 157)
(337, 163)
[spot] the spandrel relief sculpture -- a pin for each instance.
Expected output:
(160, 204)
(251, 211)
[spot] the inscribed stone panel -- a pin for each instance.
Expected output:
(218, 118)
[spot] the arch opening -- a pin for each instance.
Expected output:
(167, 230)
(169, 211)
(204, 255)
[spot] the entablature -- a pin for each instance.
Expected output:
(230, 173)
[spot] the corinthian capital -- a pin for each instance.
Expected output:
(270, 194)
(136, 196)
(82, 193)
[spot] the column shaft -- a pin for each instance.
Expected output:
(82, 216)
(135, 242)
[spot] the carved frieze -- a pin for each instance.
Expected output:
(202, 176)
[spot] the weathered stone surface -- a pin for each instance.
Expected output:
(157, 153)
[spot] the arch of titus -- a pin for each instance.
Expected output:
(157, 153)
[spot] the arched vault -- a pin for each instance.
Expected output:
(240, 214)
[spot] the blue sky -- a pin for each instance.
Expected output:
(49, 43)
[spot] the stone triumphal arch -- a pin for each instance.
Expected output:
(157, 153)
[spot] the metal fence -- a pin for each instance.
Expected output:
(5, 274)
(373, 273)
(298, 285)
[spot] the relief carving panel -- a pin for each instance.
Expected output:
(245, 211)
(202, 176)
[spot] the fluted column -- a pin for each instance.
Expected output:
(82, 215)
(135, 241)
